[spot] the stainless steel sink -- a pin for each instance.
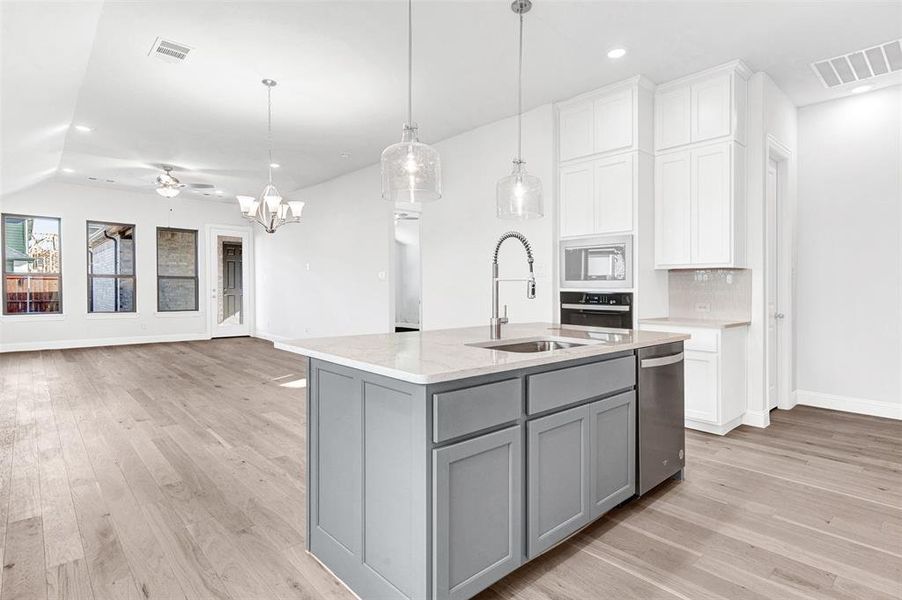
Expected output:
(540, 344)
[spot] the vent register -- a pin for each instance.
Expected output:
(169, 51)
(860, 65)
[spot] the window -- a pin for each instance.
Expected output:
(111, 267)
(176, 269)
(32, 270)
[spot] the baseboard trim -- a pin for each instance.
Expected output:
(756, 418)
(270, 337)
(712, 427)
(93, 343)
(861, 406)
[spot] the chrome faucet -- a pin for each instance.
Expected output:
(496, 320)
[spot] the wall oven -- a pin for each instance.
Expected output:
(597, 262)
(597, 310)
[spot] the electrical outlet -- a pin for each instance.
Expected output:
(703, 307)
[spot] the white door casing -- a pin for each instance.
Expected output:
(772, 251)
(213, 292)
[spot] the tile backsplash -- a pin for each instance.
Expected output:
(711, 294)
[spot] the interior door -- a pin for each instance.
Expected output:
(229, 275)
(231, 282)
(772, 350)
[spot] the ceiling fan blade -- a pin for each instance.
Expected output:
(200, 186)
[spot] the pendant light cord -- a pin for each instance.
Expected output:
(410, 62)
(520, 95)
(269, 126)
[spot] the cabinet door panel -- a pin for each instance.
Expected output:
(672, 118)
(711, 108)
(612, 462)
(700, 370)
(711, 205)
(673, 229)
(577, 203)
(614, 121)
(614, 194)
(558, 448)
(576, 131)
(477, 528)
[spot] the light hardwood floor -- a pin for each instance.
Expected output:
(177, 470)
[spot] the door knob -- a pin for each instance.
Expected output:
(779, 315)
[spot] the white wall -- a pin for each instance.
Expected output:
(849, 287)
(347, 232)
(321, 277)
(459, 232)
(772, 116)
(76, 204)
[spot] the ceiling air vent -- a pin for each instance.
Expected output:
(858, 66)
(169, 51)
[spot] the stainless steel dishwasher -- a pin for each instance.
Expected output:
(661, 415)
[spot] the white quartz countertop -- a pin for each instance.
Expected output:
(689, 322)
(444, 354)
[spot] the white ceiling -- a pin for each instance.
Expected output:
(341, 68)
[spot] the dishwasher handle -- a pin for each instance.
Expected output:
(661, 361)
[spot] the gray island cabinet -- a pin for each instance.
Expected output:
(437, 489)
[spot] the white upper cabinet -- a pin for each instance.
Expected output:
(606, 121)
(577, 199)
(702, 107)
(699, 207)
(672, 118)
(673, 219)
(711, 205)
(614, 194)
(711, 108)
(597, 196)
(614, 122)
(576, 131)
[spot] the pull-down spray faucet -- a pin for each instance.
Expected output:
(496, 321)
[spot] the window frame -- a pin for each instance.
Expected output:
(4, 273)
(196, 269)
(91, 276)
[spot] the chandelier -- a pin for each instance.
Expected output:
(270, 210)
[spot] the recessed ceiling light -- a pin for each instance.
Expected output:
(83, 128)
(861, 89)
(617, 53)
(67, 170)
(275, 165)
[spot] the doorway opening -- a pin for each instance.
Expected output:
(231, 283)
(408, 272)
(777, 278)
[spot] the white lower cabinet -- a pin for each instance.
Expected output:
(715, 364)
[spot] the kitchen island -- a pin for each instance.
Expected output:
(440, 461)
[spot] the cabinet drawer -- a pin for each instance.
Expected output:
(702, 340)
(460, 412)
(547, 391)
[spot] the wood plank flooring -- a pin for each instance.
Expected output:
(177, 471)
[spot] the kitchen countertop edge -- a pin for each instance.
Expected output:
(554, 357)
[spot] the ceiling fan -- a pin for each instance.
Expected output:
(169, 186)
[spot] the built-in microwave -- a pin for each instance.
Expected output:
(604, 262)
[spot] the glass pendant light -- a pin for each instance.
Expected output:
(519, 195)
(411, 170)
